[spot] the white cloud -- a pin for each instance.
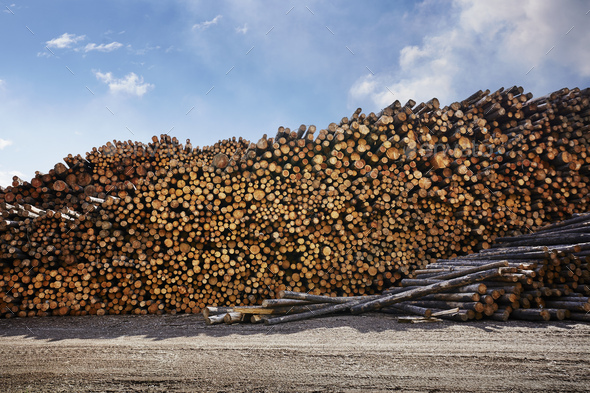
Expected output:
(9, 11)
(6, 177)
(102, 47)
(131, 84)
(243, 29)
(490, 43)
(4, 142)
(65, 41)
(144, 50)
(2, 83)
(205, 25)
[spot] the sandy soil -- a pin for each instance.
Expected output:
(339, 354)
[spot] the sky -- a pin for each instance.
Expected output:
(75, 75)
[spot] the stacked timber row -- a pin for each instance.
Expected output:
(552, 277)
(541, 276)
(345, 211)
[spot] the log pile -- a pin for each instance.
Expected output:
(538, 277)
(349, 210)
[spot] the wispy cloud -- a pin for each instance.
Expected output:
(8, 11)
(130, 84)
(2, 83)
(65, 41)
(4, 143)
(243, 29)
(102, 47)
(205, 25)
(142, 51)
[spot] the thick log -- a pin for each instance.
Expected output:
(475, 306)
(215, 319)
(413, 309)
(568, 305)
(577, 316)
(233, 317)
(531, 314)
(500, 315)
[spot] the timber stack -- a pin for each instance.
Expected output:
(540, 276)
(349, 210)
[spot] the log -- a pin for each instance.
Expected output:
(279, 310)
(531, 314)
(568, 305)
(475, 306)
(576, 316)
(319, 298)
(210, 311)
(413, 309)
(215, 319)
(452, 315)
(462, 272)
(335, 308)
(233, 317)
(500, 315)
(269, 303)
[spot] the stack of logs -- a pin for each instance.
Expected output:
(540, 276)
(349, 210)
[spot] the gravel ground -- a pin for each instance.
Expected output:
(339, 354)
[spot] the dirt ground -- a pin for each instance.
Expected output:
(339, 354)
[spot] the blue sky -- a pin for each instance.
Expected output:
(74, 75)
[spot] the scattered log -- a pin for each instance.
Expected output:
(364, 306)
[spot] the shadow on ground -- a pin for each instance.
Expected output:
(161, 327)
